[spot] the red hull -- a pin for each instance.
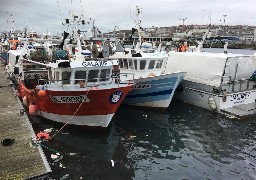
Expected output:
(100, 102)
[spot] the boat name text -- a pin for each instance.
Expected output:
(239, 98)
(69, 99)
(94, 63)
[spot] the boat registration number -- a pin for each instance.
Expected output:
(142, 86)
(69, 99)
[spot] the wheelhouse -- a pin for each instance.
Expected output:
(140, 64)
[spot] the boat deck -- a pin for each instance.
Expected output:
(19, 160)
(242, 110)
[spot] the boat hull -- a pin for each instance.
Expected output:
(155, 91)
(93, 107)
(229, 103)
(86, 120)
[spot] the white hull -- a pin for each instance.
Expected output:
(221, 102)
(89, 120)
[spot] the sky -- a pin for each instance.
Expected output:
(49, 15)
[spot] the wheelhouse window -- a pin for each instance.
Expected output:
(104, 74)
(130, 64)
(57, 76)
(93, 75)
(121, 65)
(143, 64)
(159, 63)
(80, 75)
(66, 77)
(125, 63)
(135, 64)
(151, 64)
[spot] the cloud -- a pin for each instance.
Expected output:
(48, 15)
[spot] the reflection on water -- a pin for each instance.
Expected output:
(183, 142)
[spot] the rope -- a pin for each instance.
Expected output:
(70, 117)
(46, 147)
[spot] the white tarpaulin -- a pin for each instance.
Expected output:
(205, 68)
(209, 68)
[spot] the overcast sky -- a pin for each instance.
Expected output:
(48, 15)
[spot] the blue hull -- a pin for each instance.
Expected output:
(154, 91)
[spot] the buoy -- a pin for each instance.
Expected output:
(42, 94)
(25, 101)
(32, 109)
(212, 103)
(151, 75)
(42, 135)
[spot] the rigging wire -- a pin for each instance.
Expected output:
(59, 10)
(82, 13)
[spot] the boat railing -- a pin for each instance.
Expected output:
(244, 84)
(119, 75)
(92, 82)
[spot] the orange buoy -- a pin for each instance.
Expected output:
(32, 109)
(42, 135)
(42, 93)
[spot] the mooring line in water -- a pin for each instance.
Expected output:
(46, 147)
(70, 117)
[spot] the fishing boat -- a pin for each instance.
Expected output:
(146, 65)
(79, 93)
(153, 87)
(222, 82)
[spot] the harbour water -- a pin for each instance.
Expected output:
(181, 142)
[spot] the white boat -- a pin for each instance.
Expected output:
(222, 82)
(153, 87)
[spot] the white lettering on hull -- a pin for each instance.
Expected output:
(69, 99)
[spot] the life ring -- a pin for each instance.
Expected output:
(151, 75)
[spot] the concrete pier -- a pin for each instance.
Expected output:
(19, 160)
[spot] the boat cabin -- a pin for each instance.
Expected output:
(74, 72)
(66, 74)
(142, 67)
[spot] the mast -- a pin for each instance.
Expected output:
(138, 23)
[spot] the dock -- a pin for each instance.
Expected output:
(18, 159)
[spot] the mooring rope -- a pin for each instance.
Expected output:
(46, 147)
(70, 117)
